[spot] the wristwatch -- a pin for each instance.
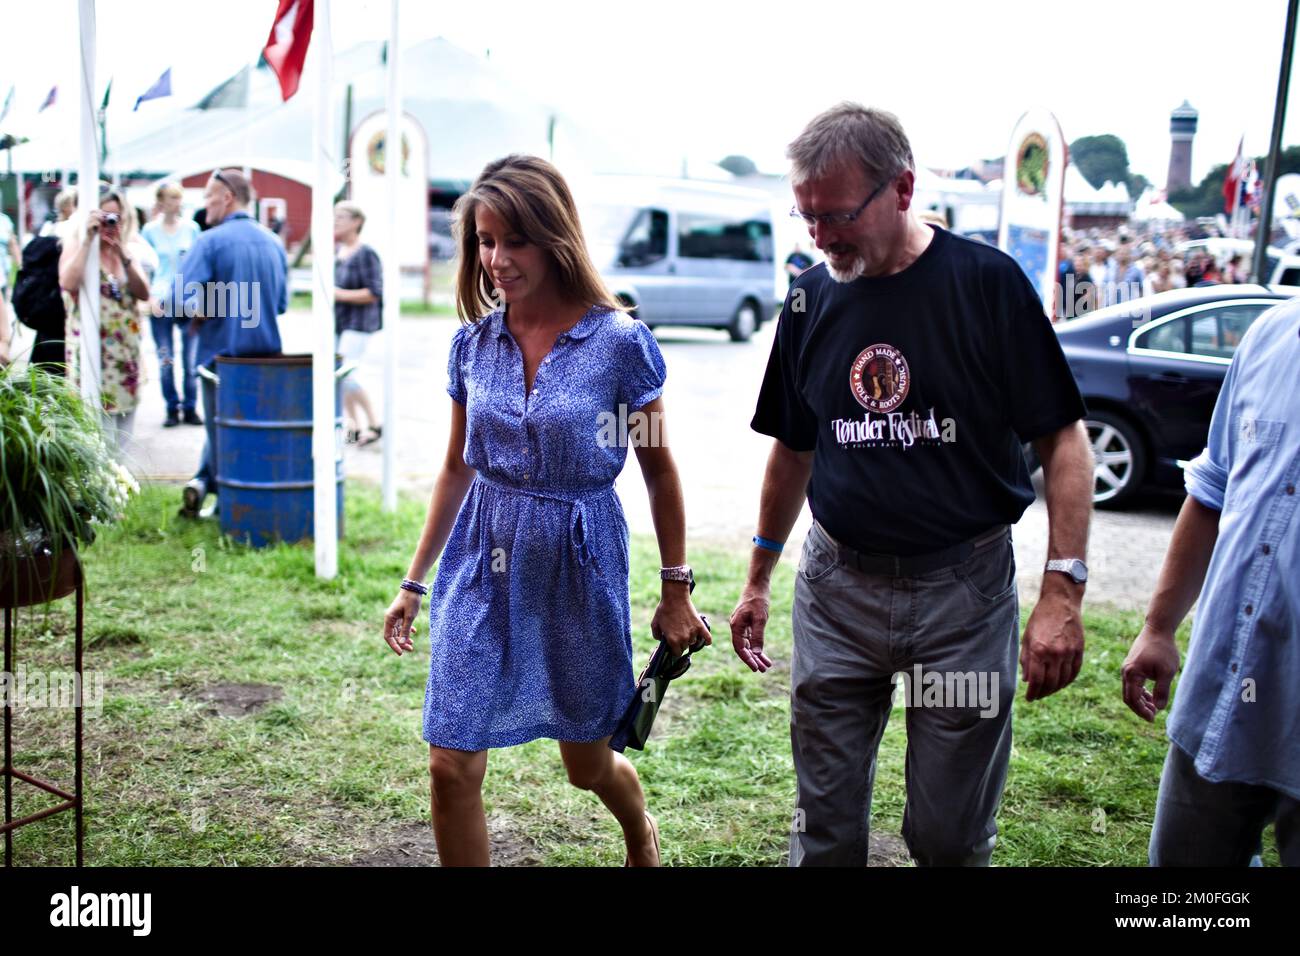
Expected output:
(1074, 567)
(681, 572)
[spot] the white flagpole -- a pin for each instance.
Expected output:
(22, 203)
(392, 264)
(88, 199)
(325, 437)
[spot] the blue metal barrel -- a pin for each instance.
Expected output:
(264, 460)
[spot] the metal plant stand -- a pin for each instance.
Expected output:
(34, 589)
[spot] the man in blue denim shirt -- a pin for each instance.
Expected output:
(234, 282)
(1234, 765)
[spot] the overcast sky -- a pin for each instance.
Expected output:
(708, 78)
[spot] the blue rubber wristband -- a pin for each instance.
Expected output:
(769, 544)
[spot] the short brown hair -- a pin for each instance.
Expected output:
(851, 133)
(530, 194)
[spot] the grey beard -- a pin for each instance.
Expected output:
(854, 271)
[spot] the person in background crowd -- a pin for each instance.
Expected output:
(10, 255)
(1162, 279)
(171, 237)
(358, 312)
(1129, 278)
(1176, 274)
(1099, 271)
(65, 205)
(6, 331)
(1210, 274)
(796, 263)
(234, 251)
(123, 282)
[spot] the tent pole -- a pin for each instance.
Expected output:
(392, 263)
(326, 440)
(1274, 149)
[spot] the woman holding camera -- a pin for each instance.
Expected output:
(122, 284)
(530, 622)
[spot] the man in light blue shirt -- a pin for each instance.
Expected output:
(234, 282)
(1234, 762)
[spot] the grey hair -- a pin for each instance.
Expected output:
(850, 133)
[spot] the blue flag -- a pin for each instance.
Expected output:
(160, 89)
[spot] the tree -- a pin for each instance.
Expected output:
(1206, 197)
(738, 165)
(1101, 159)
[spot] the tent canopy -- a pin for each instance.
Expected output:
(469, 111)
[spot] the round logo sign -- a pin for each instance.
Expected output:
(879, 378)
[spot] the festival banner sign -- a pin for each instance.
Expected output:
(1033, 187)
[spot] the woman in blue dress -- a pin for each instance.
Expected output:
(529, 622)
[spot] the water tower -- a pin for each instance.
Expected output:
(1182, 127)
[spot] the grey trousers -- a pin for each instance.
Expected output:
(949, 639)
(1203, 823)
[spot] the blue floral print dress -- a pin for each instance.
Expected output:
(529, 623)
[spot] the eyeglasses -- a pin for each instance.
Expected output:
(838, 218)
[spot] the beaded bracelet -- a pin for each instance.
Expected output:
(416, 586)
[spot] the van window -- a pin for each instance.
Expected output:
(647, 240)
(1290, 277)
(714, 237)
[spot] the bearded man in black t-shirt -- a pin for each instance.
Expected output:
(906, 373)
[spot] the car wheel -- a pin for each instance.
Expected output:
(1120, 459)
(745, 321)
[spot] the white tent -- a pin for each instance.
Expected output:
(1082, 199)
(470, 113)
(1152, 207)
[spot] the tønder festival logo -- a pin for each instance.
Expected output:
(879, 378)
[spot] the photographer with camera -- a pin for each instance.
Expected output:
(122, 284)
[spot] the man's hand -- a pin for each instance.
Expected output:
(748, 621)
(1051, 652)
(1153, 656)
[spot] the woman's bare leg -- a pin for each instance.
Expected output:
(351, 420)
(611, 776)
(361, 399)
(456, 804)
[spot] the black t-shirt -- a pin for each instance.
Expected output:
(915, 392)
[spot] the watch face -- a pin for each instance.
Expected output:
(1078, 571)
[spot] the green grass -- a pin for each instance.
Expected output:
(336, 766)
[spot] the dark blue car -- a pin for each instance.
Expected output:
(1150, 371)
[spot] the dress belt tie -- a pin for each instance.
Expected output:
(579, 520)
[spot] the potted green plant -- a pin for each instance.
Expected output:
(58, 483)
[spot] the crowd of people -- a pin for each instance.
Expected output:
(149, 276)
(1099, 267)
